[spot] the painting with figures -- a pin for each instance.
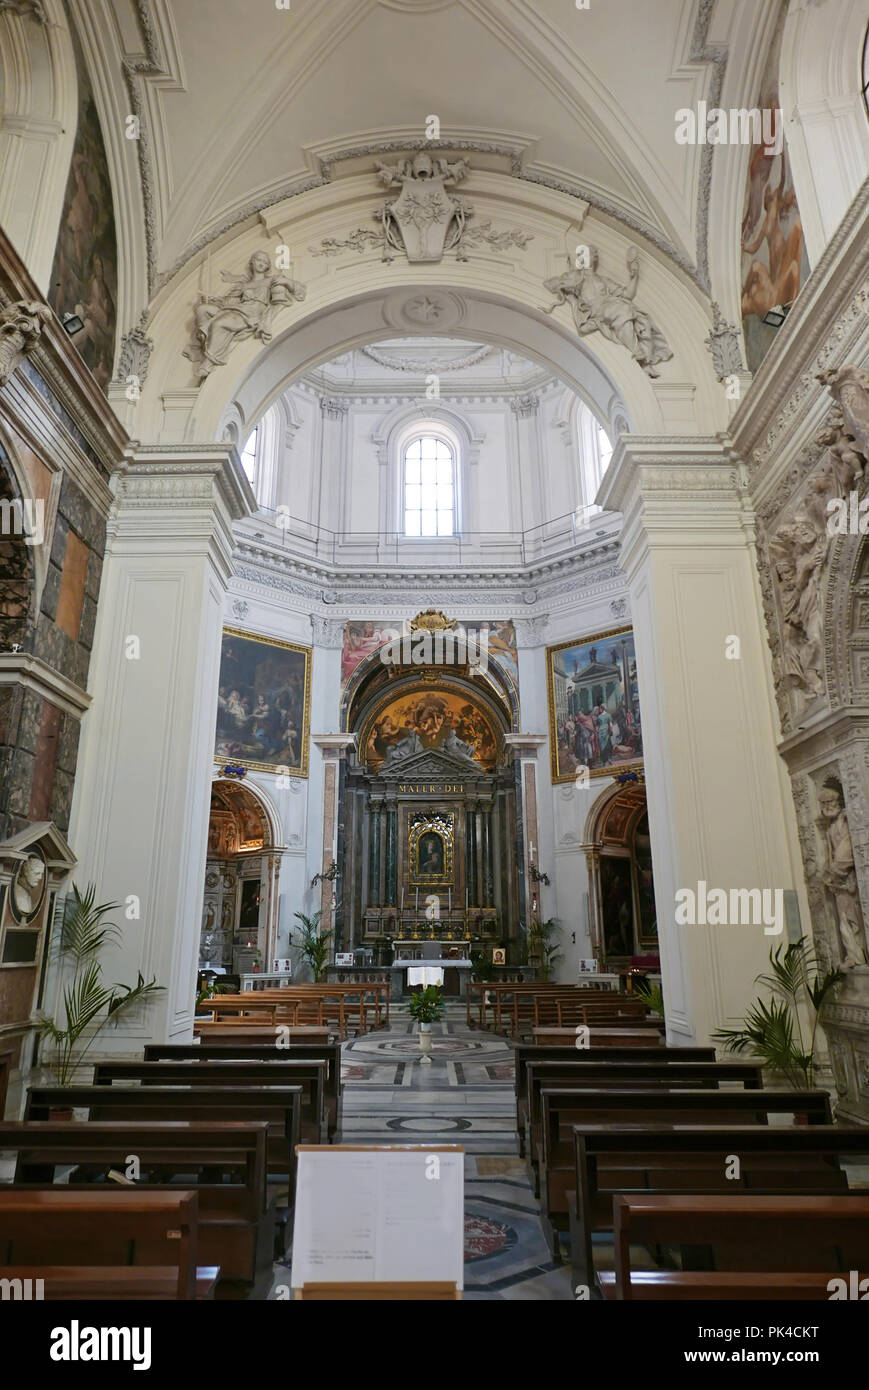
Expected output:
(594, 705)
(263, 703)
(431, 718)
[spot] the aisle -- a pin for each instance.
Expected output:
(464, 1097)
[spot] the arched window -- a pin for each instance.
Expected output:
(429, 482)
(248, 456)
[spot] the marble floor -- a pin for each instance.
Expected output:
(464, 1097)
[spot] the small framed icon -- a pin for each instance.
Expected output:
(499, 956)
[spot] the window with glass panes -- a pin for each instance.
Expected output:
(429, 488)
(248, 457)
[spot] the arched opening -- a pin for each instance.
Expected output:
(239, 911)
(622, 914)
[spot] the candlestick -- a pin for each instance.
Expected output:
(450, 899)
(417, 902)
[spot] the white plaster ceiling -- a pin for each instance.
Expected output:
(251, 97)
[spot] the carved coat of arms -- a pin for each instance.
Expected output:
(425, 220)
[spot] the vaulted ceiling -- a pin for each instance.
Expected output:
(245, 101)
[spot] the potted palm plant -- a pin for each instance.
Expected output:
(426, 1006)
(542, 950)
(88, 1002)
(313, 945)
(772, 1029)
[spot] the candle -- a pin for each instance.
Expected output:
(532, 849)
(450, 898)
(417, 902)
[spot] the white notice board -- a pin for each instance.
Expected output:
(393, 1214)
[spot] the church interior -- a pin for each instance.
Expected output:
(434, 655)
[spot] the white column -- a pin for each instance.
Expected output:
(140, 814)
(719, 812)
(333, 747)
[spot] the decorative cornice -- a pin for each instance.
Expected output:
(423, 365)
(22, 668)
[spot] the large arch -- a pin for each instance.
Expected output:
(492, 297)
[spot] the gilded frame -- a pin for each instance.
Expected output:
(606, 769)
(297, 767)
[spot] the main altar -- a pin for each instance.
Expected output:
(431, 829)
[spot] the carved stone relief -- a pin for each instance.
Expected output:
(20, 327)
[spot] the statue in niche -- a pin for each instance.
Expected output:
(603, 304)
(840, 874)
(244, 312)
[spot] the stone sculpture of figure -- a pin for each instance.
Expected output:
(849, 387)
(243, 312)
(840, 875)
(27, 888)
(848, 462)
(600, 303)
(798, 552)
(20, 326)
(409, 743)
(457, 747)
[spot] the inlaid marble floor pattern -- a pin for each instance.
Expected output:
(464, 1097)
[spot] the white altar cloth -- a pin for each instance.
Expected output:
(425, 975)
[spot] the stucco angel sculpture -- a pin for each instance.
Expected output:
(600, 303)
(243, 312)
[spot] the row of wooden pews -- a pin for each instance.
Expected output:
(551, 1012)
(668, 1150)
(357, 1006)
(216, 1125)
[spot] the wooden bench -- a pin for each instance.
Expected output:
(526, 1052)
(309, 1073)
(118, 1244)
(278, 1106)
(579, 1074)
(600, 1035)
(566, 1112)
(242, 1030)
(225, 1162)
(774, 1247)
(236, 1049)
(613, 1160)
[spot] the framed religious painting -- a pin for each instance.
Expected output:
(263, 704)
(594, 706)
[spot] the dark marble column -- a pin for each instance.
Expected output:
(488, 883)
(471, 857)
(391, 857)
(374, 829)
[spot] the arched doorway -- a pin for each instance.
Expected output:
(240, 905)
(622, 915)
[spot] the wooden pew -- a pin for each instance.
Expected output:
(242, 1031)
(235, 1049)
(104, 1244)
(663, 1160)
(224, 1161)
(530, 1052)
(808, 1240)
(601, 1035)
(309, 1073)
(566, 1112)
(579, 1074)
(279, 1107)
